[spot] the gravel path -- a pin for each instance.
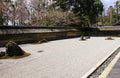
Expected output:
(69, 58)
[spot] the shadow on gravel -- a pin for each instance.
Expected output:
(40, 51)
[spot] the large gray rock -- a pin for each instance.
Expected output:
(13, 49)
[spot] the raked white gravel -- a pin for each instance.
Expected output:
(68, 58)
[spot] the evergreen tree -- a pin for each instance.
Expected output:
(88, 10)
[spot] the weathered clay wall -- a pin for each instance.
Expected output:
(21, 34)
(32, 34)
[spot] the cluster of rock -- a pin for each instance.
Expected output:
(12, 49)
(109, 38)
(84, 38)
(43, 41)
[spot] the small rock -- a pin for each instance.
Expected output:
(87, 37)
(43, 41)
(109, 38)
(83, 38)
(2, 53)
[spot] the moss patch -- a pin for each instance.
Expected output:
(15, 57)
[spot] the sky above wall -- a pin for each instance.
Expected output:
(108, 3)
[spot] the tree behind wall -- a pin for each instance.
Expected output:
(87, 10)
(4, 11)
(117, 9)
(1, 13)
(19, 12)
(38, 11)
(59, 18)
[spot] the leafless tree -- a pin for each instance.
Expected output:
(38, 10)
(4, 8)
(18, 12)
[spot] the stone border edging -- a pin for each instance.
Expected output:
(99, 67)
(109, 68)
